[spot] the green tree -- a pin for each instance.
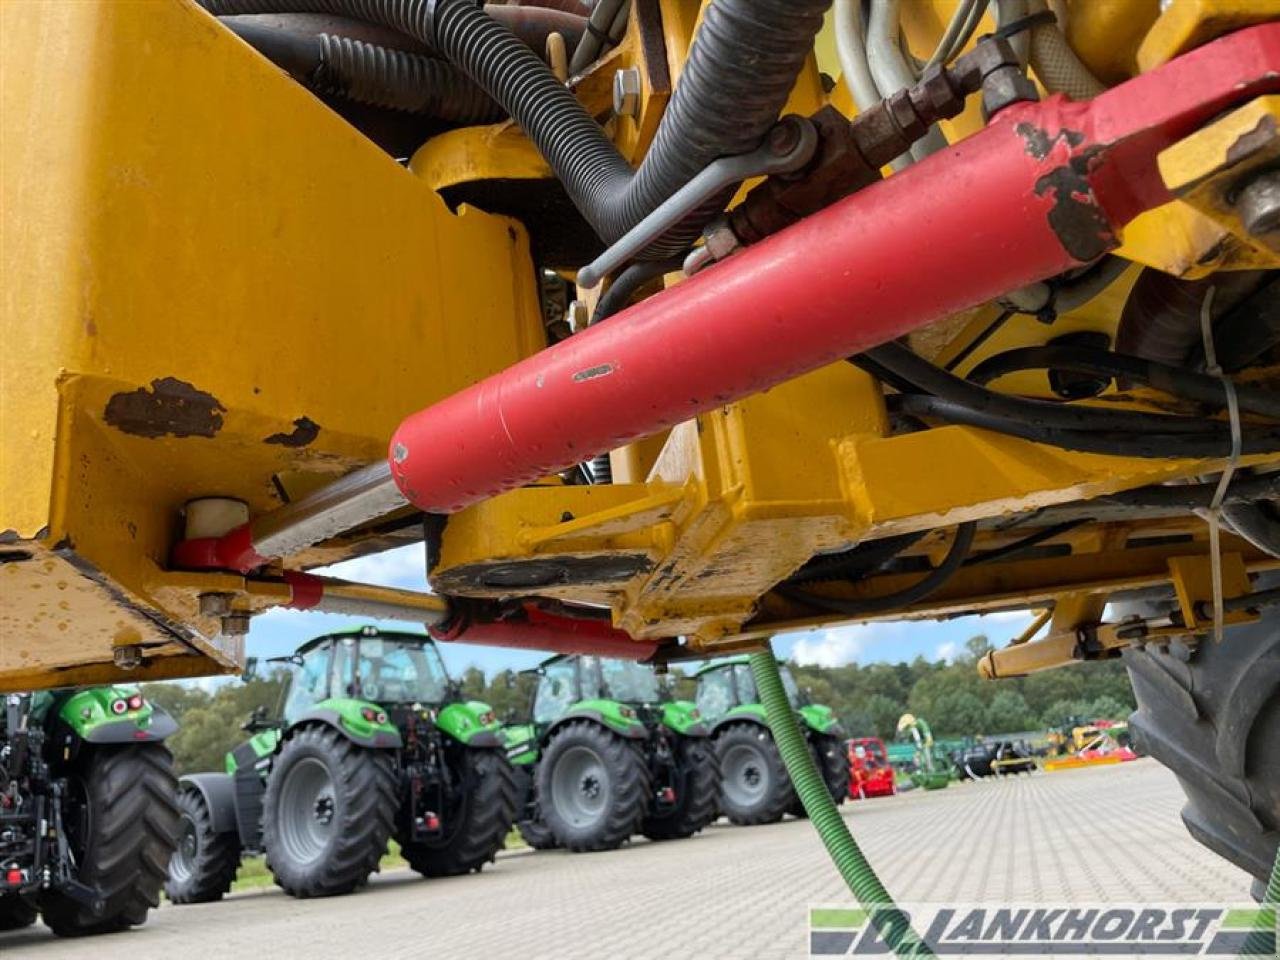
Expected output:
(958, 714)
(884, 713)
(1008, 713)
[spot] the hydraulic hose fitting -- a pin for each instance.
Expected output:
(850, 154)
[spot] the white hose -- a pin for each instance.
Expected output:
(891, 71)
(1056, 64)
(851, 46)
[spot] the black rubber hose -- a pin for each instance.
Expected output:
(372, 74)
(1195, 496)
(857, 562)
(629, 281)
(918, 591)
(1256, 523)
(1176, 381)
(740, 71)
(1026, 543)
(1151, 446)
(916, 370)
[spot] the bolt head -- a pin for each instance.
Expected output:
(1259, 204)
(127, 657)
(626, 92)
(215, 604)
(579, 316)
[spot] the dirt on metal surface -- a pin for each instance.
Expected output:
(751, 885)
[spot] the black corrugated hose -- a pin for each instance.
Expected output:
(739, 73)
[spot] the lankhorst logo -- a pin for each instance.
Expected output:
(1043, 930)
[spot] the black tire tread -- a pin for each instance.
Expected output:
(366, 782)
(774, 807)
(697, 805)
(628, 774)
(16, 912)
(1212, 715)
(489, 810)
(537, 835)
(218, 858)
(132, 792)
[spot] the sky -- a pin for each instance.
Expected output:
(279, 631)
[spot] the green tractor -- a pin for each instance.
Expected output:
(608, 755)
(371, 741)
(87, 814)
(754, 786)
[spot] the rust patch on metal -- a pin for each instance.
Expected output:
(1039, 142)
(593, 373)
(305, 430)
(1075, 218)
(1247, 144)
(171, 407)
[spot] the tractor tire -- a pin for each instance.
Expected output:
(834, 767)
(754, 786)
(327, 813)
(697, 793)
(16, 912)
(532, 826)
(481, 820)
(593, 787)
(122, 842)
(1211, 714)
(205, 863)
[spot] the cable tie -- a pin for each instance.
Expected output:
(1030, 22)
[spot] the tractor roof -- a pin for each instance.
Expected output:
(733, 661)
(363, 632)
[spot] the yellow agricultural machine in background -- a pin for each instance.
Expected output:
(667, 325)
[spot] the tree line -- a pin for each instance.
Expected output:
(868, 699)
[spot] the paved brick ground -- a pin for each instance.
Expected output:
(1107, 834)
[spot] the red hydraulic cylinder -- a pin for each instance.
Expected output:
(1044, 188)
(535, 629)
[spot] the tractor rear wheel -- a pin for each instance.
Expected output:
(537, 834)
(593, 787)
(833, 764)
(328, 812)
(16, 912)
(697, 791)
(121, 822)
(1211, 713)
(532, 826)
(205, 862)
(754, 786)
(477, 822)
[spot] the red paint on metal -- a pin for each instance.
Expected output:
(996, 211)
(306, 590)
(536, 629)
(231, 551)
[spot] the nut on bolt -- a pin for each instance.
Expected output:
(127, 656)
(626, 92)
(215, 604)
(235, 624)
(1259, 204)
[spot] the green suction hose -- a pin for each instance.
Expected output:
(1263, 942)
(893, 925)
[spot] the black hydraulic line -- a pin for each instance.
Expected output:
(370, 73)
(739, 73)
(629, 281)
(855, 563)
(1247, 331)
(933, 380)
(1176, 381)
(918, 591)
(1255, 523)
(1153, 446)
(1026, 543)
(1195, 496)
(986, 334)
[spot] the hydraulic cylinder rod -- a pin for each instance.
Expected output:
(1045, 187)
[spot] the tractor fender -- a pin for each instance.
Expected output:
(161, 727)
(219, 794)
(740, 715)
(634, 730)
(375, 738)
(471, 723)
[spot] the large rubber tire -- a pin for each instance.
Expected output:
(481, 818)
(833, 764)
(754, 786)
(1212, 715)
(204, 864)
(124, 843)
(327, 813)
(593, 787)
(697, 792)
(16, 912)
(533, 828)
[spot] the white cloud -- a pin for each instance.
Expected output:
(829, 648)
(947, 651)
(404, 567)
(1008, 615)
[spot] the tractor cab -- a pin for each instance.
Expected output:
(566, 681)
(725, 686)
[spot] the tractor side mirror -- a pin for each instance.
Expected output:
(259, 720)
